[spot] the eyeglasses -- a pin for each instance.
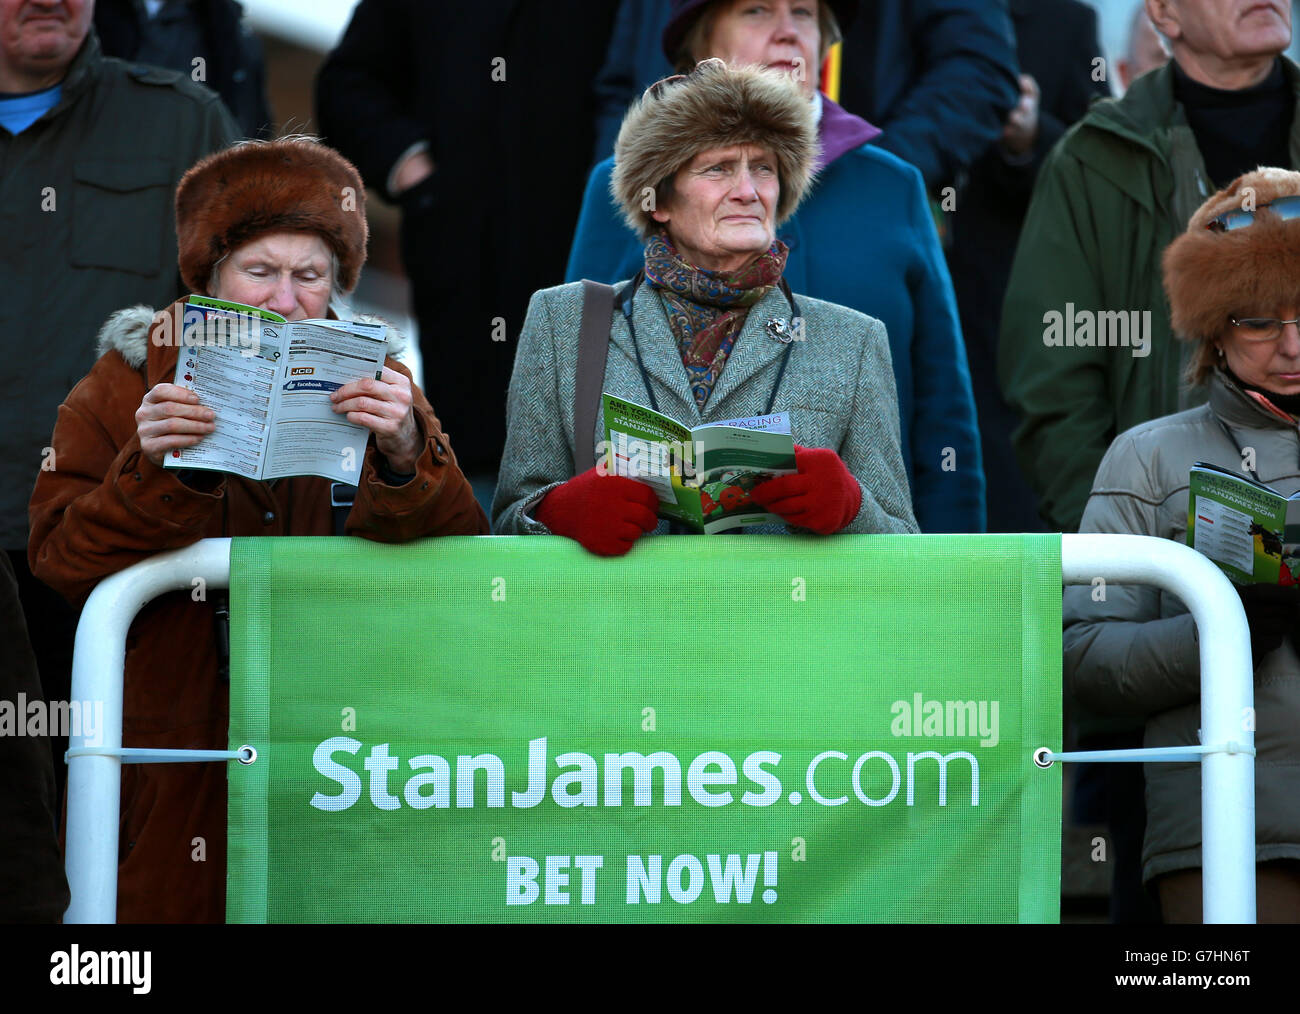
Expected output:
(1261, 329)
(1283, 208)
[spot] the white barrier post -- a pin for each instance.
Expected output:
(1227, 699)
(99, 654)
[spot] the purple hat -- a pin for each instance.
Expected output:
(684, 13)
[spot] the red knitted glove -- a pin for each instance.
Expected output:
(606, 513)
(822, 496)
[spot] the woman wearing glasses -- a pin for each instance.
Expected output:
(864, 238)
(707, 331)
(1233, 283)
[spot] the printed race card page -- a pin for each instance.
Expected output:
(269, 382)
(1250, 530)
(702, 476)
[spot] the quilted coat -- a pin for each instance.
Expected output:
(1135, 652)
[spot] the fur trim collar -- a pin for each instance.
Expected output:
(127, 333)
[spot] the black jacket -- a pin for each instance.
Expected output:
(235, 68)
(32, 885)
(501, 92)
(1056, 42)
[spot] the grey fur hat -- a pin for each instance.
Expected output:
(715, 106)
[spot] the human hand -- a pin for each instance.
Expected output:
(413, 170)
(822, 496)
(170, 417)
(383, 406)
(1021, 129)
(605, 513)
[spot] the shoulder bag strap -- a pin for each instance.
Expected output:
(593, 348)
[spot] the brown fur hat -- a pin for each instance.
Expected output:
(1249, 271)
(715, 106)
(294, 184)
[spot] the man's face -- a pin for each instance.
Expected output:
(1230, 29)
(39, 38)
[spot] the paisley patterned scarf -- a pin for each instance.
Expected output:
(707, 309)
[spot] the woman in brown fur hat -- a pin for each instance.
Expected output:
(706, 166)
(1233, 282)
(279, 225)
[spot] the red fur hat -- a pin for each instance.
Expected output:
(1248, 271)
(293, 184)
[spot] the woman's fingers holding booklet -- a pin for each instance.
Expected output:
(383, 406)
(171, 417)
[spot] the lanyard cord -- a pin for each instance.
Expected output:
(624, 300)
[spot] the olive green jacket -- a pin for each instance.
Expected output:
(86, 227)
(1111, 196)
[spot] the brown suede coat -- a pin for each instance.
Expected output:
(105, 506)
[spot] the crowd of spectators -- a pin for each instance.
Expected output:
(927, 183)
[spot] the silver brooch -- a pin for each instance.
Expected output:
(777, 328)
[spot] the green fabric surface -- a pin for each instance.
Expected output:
(716, 653)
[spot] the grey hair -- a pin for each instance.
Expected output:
(249, 142)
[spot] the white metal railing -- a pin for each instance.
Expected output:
(98, 658)
(1227, 694)
(1227, 697)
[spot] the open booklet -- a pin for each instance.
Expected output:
(269, 382)
(703, 476)
(1250, 530)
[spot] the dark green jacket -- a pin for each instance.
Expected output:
(1111, 196)
(86, 227)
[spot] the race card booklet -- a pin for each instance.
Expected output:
(1250, 530)
(269, 382)
(702, 476)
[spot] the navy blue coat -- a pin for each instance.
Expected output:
(938, 75)
(865, 239)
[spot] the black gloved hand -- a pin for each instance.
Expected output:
(1272, 611)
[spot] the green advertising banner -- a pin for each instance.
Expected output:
(725, 729)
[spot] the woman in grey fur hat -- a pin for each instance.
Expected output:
(707, 166)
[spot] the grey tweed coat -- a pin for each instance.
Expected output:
(838, 389)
